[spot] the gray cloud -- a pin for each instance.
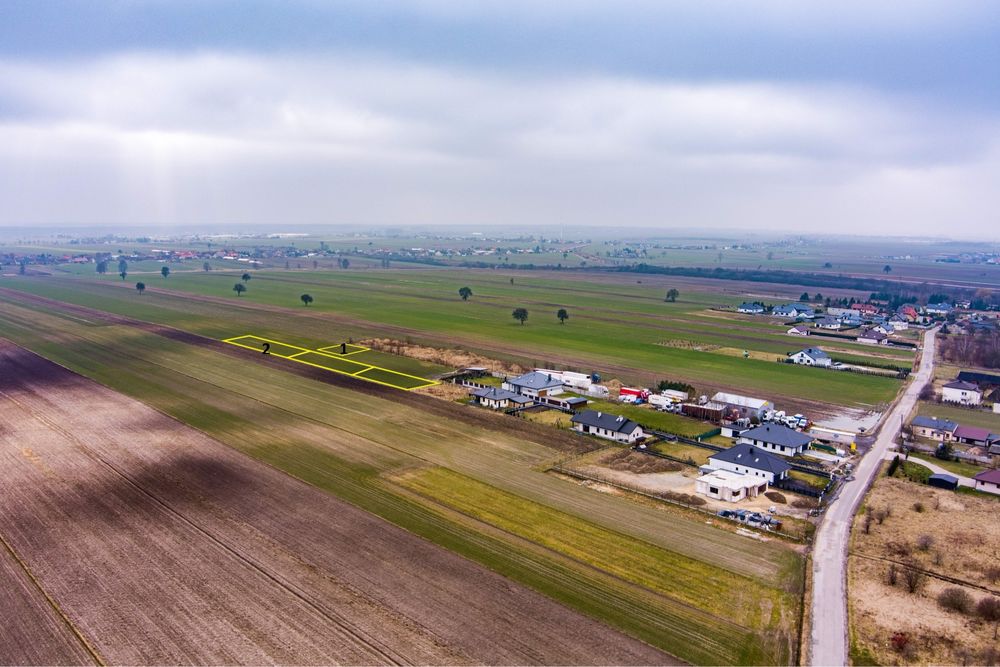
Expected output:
(228, 137)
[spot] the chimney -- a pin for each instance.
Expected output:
(598, 415)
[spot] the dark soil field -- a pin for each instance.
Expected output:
(159, 544)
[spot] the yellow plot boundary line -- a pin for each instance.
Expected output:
(328, 348)
(303, 350)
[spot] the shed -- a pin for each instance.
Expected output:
(943, 481)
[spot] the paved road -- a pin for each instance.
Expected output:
(828, 641)
(935, 468)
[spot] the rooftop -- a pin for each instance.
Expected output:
(535, 380)
(934, 423)
(752, 457)
(963, 385)
(605, 420)
(776, 434)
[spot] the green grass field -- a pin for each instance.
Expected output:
(958, 467)
(684, 452)
(349, 444)
(724, 609)
(424, 306)
(653, 419)
(963, 416)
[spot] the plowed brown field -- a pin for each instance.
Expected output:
(158, 544)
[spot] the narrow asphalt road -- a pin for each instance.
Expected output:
(828, 639)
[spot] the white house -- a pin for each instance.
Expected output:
(606, 425)
(811, 356)
(729, 486)
(959, 391)
(938, 308)
(899, 323)
(534, 385)
(499, 399)
(776, 438)
(988, 481)
(746, 459)
(798, 330)
(828, 323)
(750, 308)
(884, 328)
(787, 310)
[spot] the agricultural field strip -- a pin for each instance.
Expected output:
(720, 370)
(646, 523)
(302, 351)
(35, 631)
(261, 508)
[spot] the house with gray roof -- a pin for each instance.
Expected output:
(811, 356)
(828, 322)
(776, 438)
(534, 385)
(747, 459)
(750, 308)
(607, 425)
(499, 399)
(933, 428)
(962, 392)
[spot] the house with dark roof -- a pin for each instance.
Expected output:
(747, 459)
(872, 337)
(933, 428)
(607, 425)
(972, 435)
(811, 356)
(988, 481)
(776, 438)
(798, 330)
(962, 392)
(499, 399)
(828, 322)
(750, 308)
(938, 308)
(534, 385)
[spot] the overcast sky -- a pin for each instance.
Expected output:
(857, 117)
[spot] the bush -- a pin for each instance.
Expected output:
(776, 497)
(893, 466)
(925, 542)
(918, 506)
(992, 574)
(892, 575)
(900, 640)
(913, 579)
(955, 599)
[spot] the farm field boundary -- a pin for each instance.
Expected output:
(334, 362)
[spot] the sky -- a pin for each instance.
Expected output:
(841, 117)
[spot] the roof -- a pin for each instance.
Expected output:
(729, 479)
(986, 378)
(944, 477)
(992, 476)
(934, 423)
(828, 320)
(605, 420)
(776, 434)
(963, 385)
(535, 380)
(750, 306)
(813, 352)
(939, 306)
(972, 433)
(498, 394)
(872, 334)
(742, 401)
(752, 457)
(800, 328)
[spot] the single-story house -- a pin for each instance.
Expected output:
(934, 428)
(884, 328)
(750, 308)
(811, 356)
(960, 391)
(872, 337)
(938, 308)
(899, 323)
(988, 481)
(749, 460)
(729, 486)
(972, 435)
(743, 406)
(607, 425)
(798, 330)
(534, 384)
(786, 310)
(851, 320)
(499, 399)
(866, 308)
(828, 323)
(776, 438)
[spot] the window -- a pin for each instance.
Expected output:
(714, 490)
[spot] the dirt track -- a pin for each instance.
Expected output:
(161, 545)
